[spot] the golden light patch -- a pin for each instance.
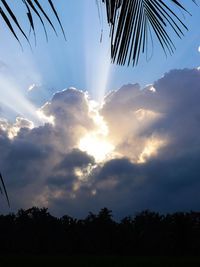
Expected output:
(145, 114)
(96, 143)
(151, 149)
(13, 129)
(96, 146)
(44, 118)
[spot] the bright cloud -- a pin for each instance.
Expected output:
(33, 87)
(12, 130)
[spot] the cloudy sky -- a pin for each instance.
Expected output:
(78, 134)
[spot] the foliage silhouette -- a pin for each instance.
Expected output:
(36, 231)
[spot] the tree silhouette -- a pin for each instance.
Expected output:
(36, 231)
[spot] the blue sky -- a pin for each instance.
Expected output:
(82, 61)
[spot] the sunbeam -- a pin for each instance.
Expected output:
(13, 98)
(97, 54)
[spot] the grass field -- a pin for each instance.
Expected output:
(87, 261)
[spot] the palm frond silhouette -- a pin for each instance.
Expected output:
(33, 9)
(132, 23)
(3, 189)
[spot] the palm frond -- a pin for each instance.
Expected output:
(10, 12)
(35, 7)
(3, 189)
(7, 21)
(132, 23)
(58, 19)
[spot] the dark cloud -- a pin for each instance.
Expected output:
(75, 159)
(155, 163)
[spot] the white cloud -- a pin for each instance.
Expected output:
(12, 129)
(33, 86)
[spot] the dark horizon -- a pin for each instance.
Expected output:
(36, 231)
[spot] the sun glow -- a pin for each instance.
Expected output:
(96, 146)
(96, 143)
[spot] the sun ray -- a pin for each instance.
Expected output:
(97, 54)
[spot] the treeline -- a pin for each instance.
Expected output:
(148, 233)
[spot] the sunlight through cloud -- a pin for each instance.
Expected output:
(96, 142)
(151, 149)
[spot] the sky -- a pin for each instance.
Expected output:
(78, 133)
(82, 61)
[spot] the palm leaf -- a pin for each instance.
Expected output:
(56, 14)
(10, 12)
(7, 21)
(132, 23)
(3, 189)
(30, 18)
(33, 7)
(45, 15)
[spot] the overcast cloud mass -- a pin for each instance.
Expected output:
(152, 138)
